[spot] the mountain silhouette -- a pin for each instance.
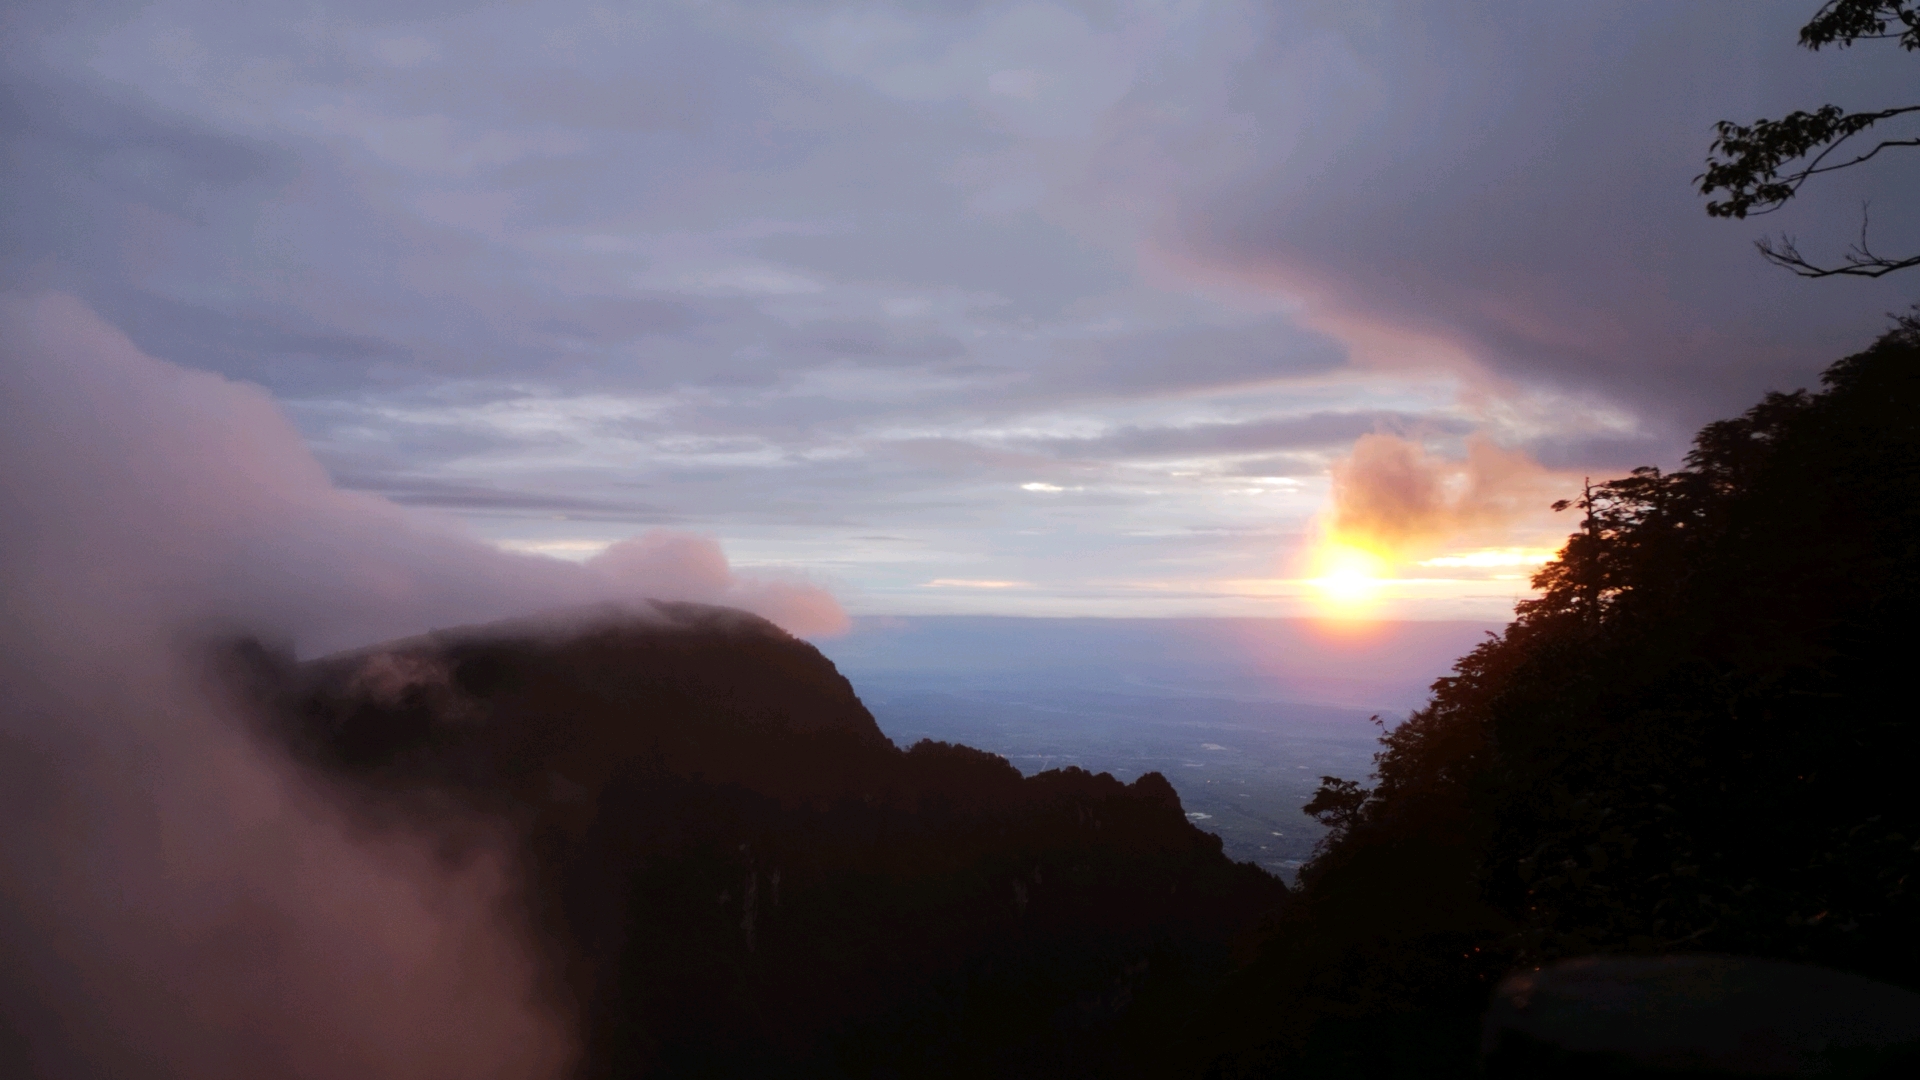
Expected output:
(1687, 763)
(739, 875)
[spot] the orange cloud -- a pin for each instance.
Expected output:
(1391, 496)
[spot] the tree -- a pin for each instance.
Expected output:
(1699, 737)
(1337, 804)
(1760, 166)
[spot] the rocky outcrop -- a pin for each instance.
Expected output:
(740, 875)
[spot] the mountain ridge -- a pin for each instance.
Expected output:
(736, 872)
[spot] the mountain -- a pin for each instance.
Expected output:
(739, 875)
(1699, 739)
(1696, 741)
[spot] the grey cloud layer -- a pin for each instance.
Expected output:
(1316, 431)
(1517, 177)
(774, 269)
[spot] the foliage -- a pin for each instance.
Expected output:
(1696, 738)
(1762, 165)
(1337, 804)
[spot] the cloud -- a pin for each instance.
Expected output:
(1312, 431)
(1023, 222)
(1510, 186)
(668, 565)
(1390, 495)
(235, 511)
(180, 903)
(178, 900)
(487, 498)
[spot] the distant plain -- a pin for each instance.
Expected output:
(1243, 716)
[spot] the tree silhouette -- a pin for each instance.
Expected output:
(1762, 165)
(1696, 738)
(1336, 804)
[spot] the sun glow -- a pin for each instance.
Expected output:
(1348, 578)
(1494, 558)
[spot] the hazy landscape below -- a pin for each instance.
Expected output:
(1243, 715)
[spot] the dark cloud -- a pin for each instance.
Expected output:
(796, 266)
(61, 128)
(1313, 431)
(1171, 361)
(1517, 179)
(441, 494)
(1603, 455)
(121, 450)
(1031, 269)
(99, 183)
(873, 342)
(960, 457)
(603, 319)
(283, 349)
(1287, 465)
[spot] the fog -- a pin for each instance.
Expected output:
(180, 900)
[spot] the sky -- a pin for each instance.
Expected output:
(332, 323)
(1017, 308)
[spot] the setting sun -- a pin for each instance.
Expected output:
(1348, 578)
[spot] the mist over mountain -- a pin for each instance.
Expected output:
(735, 873)
(669, 838)
(232, 865)
(441, 447)
(1686, 746)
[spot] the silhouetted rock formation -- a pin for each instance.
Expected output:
(741, 876)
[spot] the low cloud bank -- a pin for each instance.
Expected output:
(195, 494)
(175, 899)
(668, 565)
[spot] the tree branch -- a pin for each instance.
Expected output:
(1749, 162)
(1860, 260)
(1751, 156)
(1843, 22)
(1814, 168)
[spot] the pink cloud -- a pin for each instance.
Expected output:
(175, 898)
(151, 480)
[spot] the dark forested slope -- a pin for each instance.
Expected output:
(741, 876)
(1700, 737)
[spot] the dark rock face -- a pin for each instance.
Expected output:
(1699, 1015)
(740, 875)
